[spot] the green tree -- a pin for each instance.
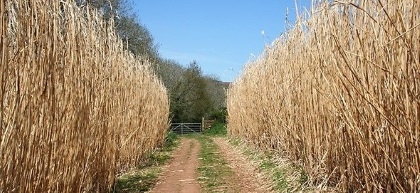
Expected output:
(189, 98)
(217, 91)
(170, 72)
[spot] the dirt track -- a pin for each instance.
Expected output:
(245, 178)
(181, 173)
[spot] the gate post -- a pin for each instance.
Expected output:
(202, 124)
(182, 129)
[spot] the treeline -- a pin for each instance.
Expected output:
(193, 95)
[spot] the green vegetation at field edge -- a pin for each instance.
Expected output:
(214, 169)
(217, 129)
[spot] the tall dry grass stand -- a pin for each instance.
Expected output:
(339, 93)
(75, 107)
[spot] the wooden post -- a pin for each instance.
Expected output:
(202, 123)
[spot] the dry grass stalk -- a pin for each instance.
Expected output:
(340, 93)
(75, 107)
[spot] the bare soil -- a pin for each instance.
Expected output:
(181, 173)
(246, 177)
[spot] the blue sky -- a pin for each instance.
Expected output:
(222, 36)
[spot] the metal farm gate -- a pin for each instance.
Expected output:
(186, 128)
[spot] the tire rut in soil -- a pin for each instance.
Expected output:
(246, 177)
(181, 173)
